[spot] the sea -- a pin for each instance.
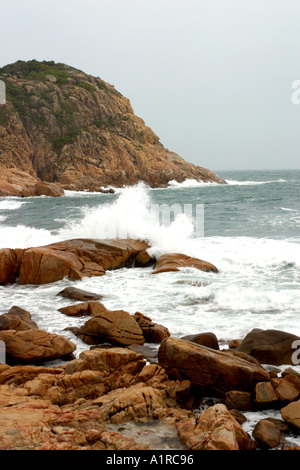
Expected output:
(248, 228)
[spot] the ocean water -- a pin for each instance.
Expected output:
(249, 229)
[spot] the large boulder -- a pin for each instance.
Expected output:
(213, 372)
(35, 346)
(76, 259)
(115, 326)
(269, 346)
(175, 261)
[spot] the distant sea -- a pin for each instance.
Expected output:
(249, 229)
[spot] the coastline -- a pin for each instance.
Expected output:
(118, 385)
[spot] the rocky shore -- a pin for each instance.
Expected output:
(136, 386)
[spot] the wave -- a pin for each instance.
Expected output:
(191, 183)
(250, 183)
(25, 237)
(10, 205)
(132, 215)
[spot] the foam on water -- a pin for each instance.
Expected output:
(10, 204)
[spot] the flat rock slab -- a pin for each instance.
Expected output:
(79, 294)
(175, 261)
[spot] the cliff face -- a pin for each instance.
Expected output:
(63, 126)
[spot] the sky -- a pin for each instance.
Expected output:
(212, 78)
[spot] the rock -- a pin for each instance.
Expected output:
(79, 294)
(34, 345)
(205, 339)
(136, 402)
(269, 346)
(238, 416)
(234, 343)
(291, 413)
(48, 189)
(14, 182)
(265, 396)
(152, 332)
(143, 260)
(216, 429)
(288, 388)
(103, 360)
(83, 309)
(17, 319)
(213, 372)
(241, 401)
(10, 261)
(266, 434)
(175, 261)
(76, 259)
(116, 326)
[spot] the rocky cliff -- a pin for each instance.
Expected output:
(60, 125)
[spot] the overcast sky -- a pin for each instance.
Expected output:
(212, 78)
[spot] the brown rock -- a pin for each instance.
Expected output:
(291, 413)
(48, 189)
(205, 339)
(10, 260)
(265, 395)
(241, 401)
(116, 326)
(83, 309)
(216, 430)
(152, 332)
(17, 319)
(269, 346)
(266, 434)
(79, 294)
(288, 388)
(102, 359)
(173, 262)
(143, 260)
(136, 402)
(35, 345)
(76, 259)
(214, 372)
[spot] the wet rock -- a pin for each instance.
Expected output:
(79, 294)
(175, 261)
(269, 346)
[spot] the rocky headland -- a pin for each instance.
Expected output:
(70, 130)
(117, 396)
